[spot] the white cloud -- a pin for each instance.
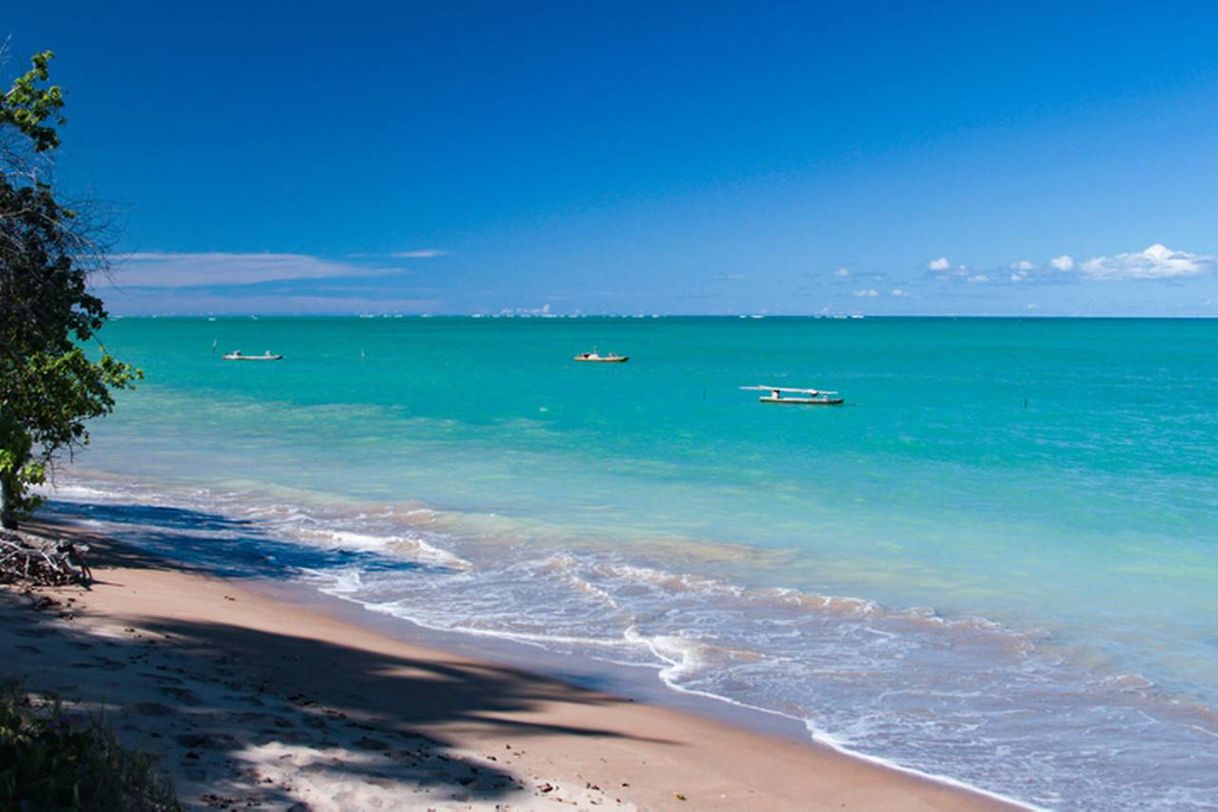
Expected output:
(422, 253)
(940, 264)
(178, 270)
(172, 302)
(842, 271)
(979, 278)
(1018, 277)
(899, 293)
(1063, 263)
(1023, 265)
(869, 293)
(1156, 262)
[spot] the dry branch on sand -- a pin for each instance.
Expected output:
(34, 561)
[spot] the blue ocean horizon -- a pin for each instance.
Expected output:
(995, 562)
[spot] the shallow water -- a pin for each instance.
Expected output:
(995, 562)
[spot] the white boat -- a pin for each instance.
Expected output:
(595, 357)
(236, 355)
(797, 397)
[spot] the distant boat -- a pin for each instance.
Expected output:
(236, 355)
(802, 397)
(595, 357)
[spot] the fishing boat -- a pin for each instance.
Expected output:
(595, 357)
(236, 355)
(797, 397)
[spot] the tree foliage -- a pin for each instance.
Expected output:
(27, 106)
(49, 385)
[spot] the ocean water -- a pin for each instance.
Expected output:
(997, 562)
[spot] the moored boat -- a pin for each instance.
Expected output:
(797, 397)
(237, 355)
(595, 357)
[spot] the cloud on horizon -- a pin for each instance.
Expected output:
(422, 253)
(1156, 262)
(165, 269)
(145, 304)
(152, 282)
(264, 282)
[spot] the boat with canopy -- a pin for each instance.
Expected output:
(236, 355)
(797, 397)
(595, 357)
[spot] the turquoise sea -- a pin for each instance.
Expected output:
(997, 562)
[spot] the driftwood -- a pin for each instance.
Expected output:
(34, 561)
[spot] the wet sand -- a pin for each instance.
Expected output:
(251, 699)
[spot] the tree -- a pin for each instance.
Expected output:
(49, 386)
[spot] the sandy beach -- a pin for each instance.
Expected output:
(256, 700)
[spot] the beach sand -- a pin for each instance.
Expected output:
(254, 700)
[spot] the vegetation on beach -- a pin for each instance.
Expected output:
(48, 760)
(49, 386)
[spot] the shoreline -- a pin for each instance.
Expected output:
(266, 684)
(634, 683)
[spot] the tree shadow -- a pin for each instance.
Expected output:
(155, 515)
(156, 537)
(218, 701)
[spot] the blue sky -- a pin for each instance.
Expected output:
(449, 157)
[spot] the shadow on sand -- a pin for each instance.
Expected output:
(228, 698)
(179, 538)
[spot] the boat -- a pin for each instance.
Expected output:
(797, 397)
(595, 357)
(236, 355)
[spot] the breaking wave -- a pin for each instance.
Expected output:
(962, 698)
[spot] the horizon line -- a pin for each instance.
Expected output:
(738, 316)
